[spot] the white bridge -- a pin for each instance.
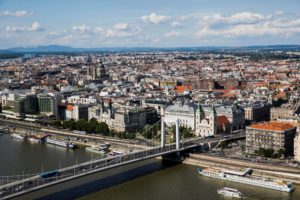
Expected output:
(12, 186)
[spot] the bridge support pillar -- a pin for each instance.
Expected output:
(177, 135)
(163, 133)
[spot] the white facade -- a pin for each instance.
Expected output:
(203, 123)
(297, 147)
(185, 113)
(69, 114)
(206, 124)
(79, 100)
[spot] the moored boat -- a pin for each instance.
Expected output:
(246, 178)
(60, 143)
(104, 146)
(230, 192)
(17, 136)
(96, 149)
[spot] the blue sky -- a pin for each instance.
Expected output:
(149, 23)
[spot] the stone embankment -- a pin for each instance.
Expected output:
(261, 169)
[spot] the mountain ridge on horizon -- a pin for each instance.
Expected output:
(64, 48)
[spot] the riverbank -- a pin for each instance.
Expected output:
(266, 170)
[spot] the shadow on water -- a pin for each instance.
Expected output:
(102, 183)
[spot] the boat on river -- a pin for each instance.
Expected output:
(246, 178)
(17, 136)
(96, 149)
(230, 192)
(60, 143)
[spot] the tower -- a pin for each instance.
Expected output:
(89, 64)
(213, 119)
(101, 72)
(199, 114)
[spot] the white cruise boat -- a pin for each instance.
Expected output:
(17, 136)
(60, 143)
(230, 192)
(95, 149)
(246, 178)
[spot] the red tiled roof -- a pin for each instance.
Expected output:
(222, 120)
(273, 126)
(183, 88)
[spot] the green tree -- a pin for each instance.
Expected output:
(92, 124)
(102, 128)
(112, 133)
(269, 153)
(56, 123)
(81, 125)
(70, 124)
(185, 133)
(260, 152)
(280, 153)
(149, 131)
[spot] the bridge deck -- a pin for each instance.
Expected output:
(36, 182)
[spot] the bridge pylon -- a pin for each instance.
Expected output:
(177, 135)
(163, 133)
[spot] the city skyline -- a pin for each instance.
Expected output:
(134, 23)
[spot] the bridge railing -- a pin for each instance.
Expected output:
(32, 183)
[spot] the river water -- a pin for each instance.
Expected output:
(153, 180)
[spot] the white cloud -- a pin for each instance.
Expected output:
(19, 13)
(155, 19)
(248, 24)
(99, 30)
(121, 26)
(122, 30)
(34, 27)
(237, 18)
(250, 30)
(173, 34)
(176, 24)
(279, 12)
(81, 28)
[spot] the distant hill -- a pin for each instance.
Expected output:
(42, 49)
(67, 49)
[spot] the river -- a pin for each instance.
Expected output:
(153, 180)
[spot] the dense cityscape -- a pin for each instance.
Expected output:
(98, 114)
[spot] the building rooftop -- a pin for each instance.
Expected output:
(273, 126)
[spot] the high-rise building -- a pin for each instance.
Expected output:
(19, 105)
(25, 104)
(47, 104)
(31, 104)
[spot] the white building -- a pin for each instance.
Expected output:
(200, 121)
(297, 147)
(182, 111)
(79, 100)
(206, 122)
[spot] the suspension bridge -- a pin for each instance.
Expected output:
(13, 186)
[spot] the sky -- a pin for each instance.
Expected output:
(148, 23)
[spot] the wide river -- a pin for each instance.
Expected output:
(152, 180)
